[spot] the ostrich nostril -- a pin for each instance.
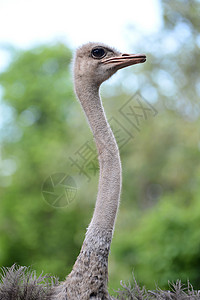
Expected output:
(124, 54)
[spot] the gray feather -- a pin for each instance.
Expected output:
(20, 283)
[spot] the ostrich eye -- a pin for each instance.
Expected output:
(98, 52)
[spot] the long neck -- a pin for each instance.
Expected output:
(89, 276)
(108, 197)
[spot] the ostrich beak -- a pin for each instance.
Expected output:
(125, 60)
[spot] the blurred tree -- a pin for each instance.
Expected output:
(162, 168)
(157, 232)
(157, 237)
(171, 74)
(38, 96)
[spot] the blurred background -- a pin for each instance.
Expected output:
(48, 186)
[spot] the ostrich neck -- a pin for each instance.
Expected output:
(89, 276)
(109, 188)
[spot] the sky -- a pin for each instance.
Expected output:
(25, 23)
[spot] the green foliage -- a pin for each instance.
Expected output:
(158, 225)
(164, 244)
(38, 90)
(157, 233)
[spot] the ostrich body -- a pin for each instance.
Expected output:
(93, 64)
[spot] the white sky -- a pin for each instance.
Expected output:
(25, 23)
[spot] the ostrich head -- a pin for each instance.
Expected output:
(95, 63)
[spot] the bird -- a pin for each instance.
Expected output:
(93, 64)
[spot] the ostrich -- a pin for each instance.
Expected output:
(94, 63)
